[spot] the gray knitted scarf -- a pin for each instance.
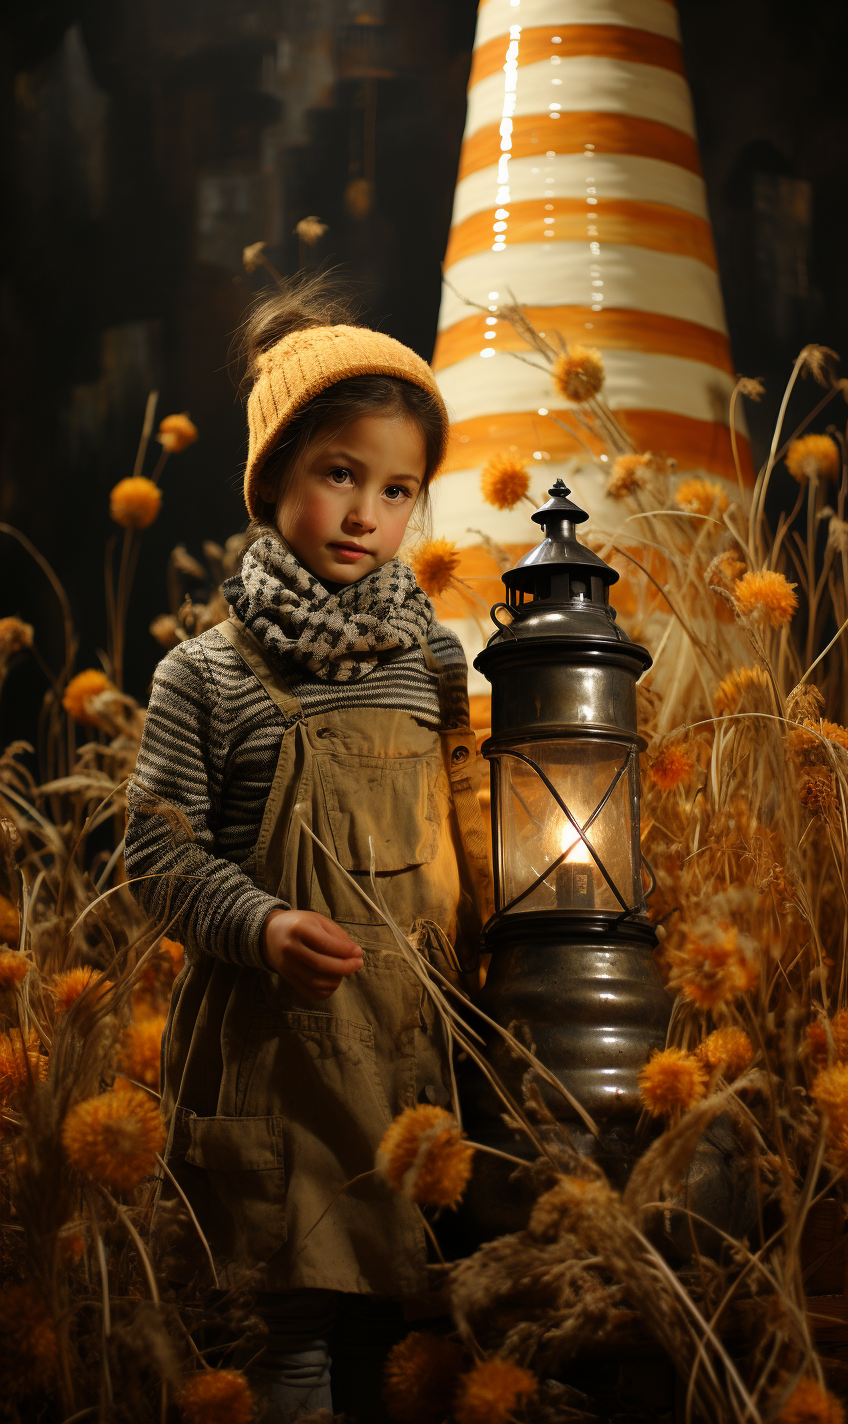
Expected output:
(339, 637)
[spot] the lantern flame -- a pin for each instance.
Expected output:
(570, 841)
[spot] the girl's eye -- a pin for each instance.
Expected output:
(340, 476)
(396, 493)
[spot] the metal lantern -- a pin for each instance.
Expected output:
(572, 969)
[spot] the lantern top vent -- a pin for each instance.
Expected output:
(560, 569)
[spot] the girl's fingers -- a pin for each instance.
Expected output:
(323, 964)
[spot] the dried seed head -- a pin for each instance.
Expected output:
(701, 497)
(816, 1039)
(746, 689)
(504, 481)
(766, 595)
(579, 374)
(572, 1205)
(817, 792)
(135, 502)
(423, 1155)
(165, 630)
(434, 565)
(176, 433)
(814, 457)
(724, 569)
(67, 987)
(21, 1064)
(216, 1397)
(251, 255)
(14, 636)
(420, 1375)
(629, 473)
(14, 968)
(809, 1403)
(81, 692)
(310, 229)
(729, 1049)
(489, 1393)
(671, 767)
(671, 1081)
(713, 963)
(9, 921)
(114, 1137)
(138, 1055)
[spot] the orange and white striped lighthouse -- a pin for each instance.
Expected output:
(579, 195)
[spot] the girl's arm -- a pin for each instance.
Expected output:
(218, 908)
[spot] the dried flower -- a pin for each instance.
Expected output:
(504, 481)
(30, 1354)
(81, 691)
(814, 457)
(573, 1203)
(421, 1372)
(747, 686)
(713, 963)
(138, 1055)
(434, 565)
(725, 568)
(9, 921)
(310, 229)
(837, 534)
(579, 374)
(830, 1090)
(817, 1039)
(14, 968)
(165, 630)
(134, 503)
(67, 987)
(251, 256)
(671, 767)
(176, 433)
(752, 387)
(114, 1137)
(629, 473)
(766, 594)
(727, 1048)
(423, 1155)
(810, 1404)
(817, 792)
(671, 1081)
(701, 497)
(216, 1397)
(489, 1393)
(20, 1065)
(14, 635)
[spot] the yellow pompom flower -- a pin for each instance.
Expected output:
(579, 374)
(138, 1055)
(701, 497)
(420, 1376)
(817, 1040)
(671, 767)
(424, 1156)
(727, 1048)
(30, 1354)
(14, 635)
(81, 691)
(114, 1137)
(671, 1081)
(767, 595)
(573, 1204)
(748, 689)
(21, 1064)
(810, 1404)
(216, 1397)
(67, 987)
(434, 565)
(9, 921)
(490, 1392)
(135, 502)
(177, 432)
(629, 473)
(711, 966)
(814, 457)
(14, 968)
(504, 481)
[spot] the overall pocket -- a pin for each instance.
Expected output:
(392, 802)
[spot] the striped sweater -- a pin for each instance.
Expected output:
(210, 747)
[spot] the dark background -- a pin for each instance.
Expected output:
(148, 141)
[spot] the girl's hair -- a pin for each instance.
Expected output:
(317, 300)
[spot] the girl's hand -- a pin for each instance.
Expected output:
(311, 953)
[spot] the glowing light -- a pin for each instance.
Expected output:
(491, 321)
(501, 213)
(498, 246)
(556, 39)
(537, 454)
(490, 335)
(543, 410)
(593, 202)
(488, 352)
(570, 841)
(550, 153)
(596, 308)
(605, 458)
(499, 227)
(493, 296)
(555, 106)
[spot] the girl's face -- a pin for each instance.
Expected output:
(350, 501)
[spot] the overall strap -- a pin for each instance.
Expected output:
(460, 749)
(251, 652)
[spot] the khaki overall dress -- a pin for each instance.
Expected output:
(278, 1102)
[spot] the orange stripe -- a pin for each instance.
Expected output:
(614, 330)
(610, 133)
(694, 444)
(603, 41)
(620, 220)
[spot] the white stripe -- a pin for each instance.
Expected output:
(558, 274)
(613, 175)
(496, 16)
(635, 380)
(590, 83)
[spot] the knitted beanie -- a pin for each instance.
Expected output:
(308, 361)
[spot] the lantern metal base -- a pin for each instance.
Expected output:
(584, 993)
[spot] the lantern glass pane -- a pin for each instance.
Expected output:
(534, 832)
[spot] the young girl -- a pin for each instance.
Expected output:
(330, 702)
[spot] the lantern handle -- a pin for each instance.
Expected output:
(503, 627)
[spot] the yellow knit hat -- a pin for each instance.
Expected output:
(306, 362)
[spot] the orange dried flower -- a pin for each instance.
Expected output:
(420, 1375)
(830, 1090)
(9, 922)
(816, 792)
(114, 1137)
(814, 457)
(67, 987)
(725, 568)
(134, 502)
(423, 1155)
(671, 767)
(727, 1048)
(504, 481)
(712, 965)
(835, 733)
(138, 1056)
(177, 432)
(701, 497)
(30, 1353)
(20, 1064)
(14, 968)
(572, 1201)
(629, 473)
(767, 595)
(810, 1404)
(746, 688)
(80, 693)
(817, 1039)
(489, 1393)
(164, 630)
(434, 565)
(579, 374)
(14, 635)
(671, 1081)
(216, 1397)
